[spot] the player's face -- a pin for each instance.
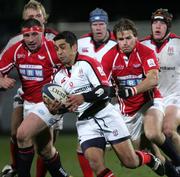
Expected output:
(99, 30)
(126, 41)
(65, 52)
(159, 29)
(33, 40)
(34, 13)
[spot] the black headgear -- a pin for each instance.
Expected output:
(163, 15)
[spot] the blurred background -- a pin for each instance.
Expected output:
(73, 15)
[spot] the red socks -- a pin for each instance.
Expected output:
(145, 158)
(40, 167)
(84, 164)
(106, 173)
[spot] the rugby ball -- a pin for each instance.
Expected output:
(54, 92)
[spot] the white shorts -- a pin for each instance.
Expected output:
(107, 123)
(42, 112)
(135, 122)
(173, 99)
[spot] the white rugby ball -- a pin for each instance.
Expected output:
(54, 92)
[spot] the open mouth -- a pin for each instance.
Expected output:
(157, 32)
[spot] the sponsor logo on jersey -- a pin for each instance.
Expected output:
(167, 68)
(41, 111)
(20, 55)
(130, 80)
(40, 57)
(52, 121)
(31, 72)
(82, 89)
(136, 65)
(119, 67)
(151, 62)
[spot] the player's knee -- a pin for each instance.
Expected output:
(168, 131)
(21, 135)
(154, 136)
(96, 165)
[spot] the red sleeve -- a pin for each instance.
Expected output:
(7, 60)
(150, 62)
(148, 58)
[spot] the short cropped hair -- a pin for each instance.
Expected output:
(30, 23)
(36, 6)
(125, 24)
(69, 37)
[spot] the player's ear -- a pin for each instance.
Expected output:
(75, 47)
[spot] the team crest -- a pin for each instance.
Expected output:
(85, 49)
(80, 73)
(170, 51)
(115, 132)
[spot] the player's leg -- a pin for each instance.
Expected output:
(170, 125)
(84, 163)
(40, 166)
(34, 123)
(170, 169)
(119, 138)
(17, 118)
(153, 120)
(50, 156)
(93, 150)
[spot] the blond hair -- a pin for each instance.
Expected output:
(36, 6)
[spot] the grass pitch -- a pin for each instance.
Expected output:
(66, 145)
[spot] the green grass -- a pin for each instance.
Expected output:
(66, 145)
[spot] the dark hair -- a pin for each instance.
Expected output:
(30, 23)
(125, 24)
(69, 37)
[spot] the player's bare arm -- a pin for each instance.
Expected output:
(149, 82)
(6, 82)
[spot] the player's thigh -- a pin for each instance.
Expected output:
(153, 121)
(30, 127)
(16, 119)
(95, 157)
(172, 118)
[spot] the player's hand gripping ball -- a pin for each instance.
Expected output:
(54, 98)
